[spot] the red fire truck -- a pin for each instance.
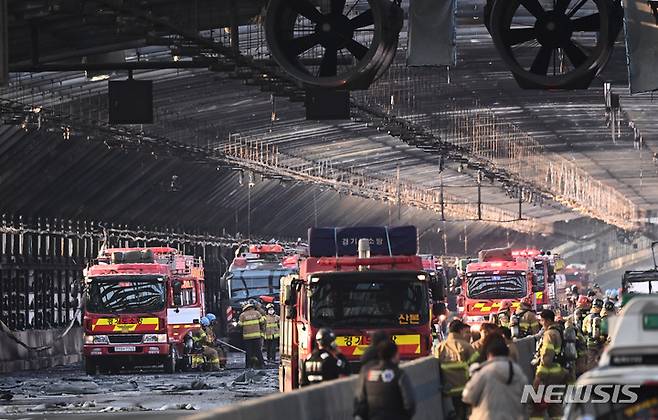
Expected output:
(253, 275)
(543, 275)
(354, 296)
(497, 276)
(578, 275)
(140, 303)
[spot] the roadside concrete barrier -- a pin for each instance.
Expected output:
(333, 400)
(60, 351)
(526, 348)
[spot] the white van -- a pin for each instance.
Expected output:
(625, 383)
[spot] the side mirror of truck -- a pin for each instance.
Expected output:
(177, 287)
(291, 312)
(457, 290)
(290, 298)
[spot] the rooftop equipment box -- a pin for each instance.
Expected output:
(332, 242)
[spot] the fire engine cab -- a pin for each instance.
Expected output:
(382, 287)
(497, 276)
(543, 275)
(139, 305)
(254, 274)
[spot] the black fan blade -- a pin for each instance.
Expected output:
(306, 9)
(329, 63)
(541, 62)
(575, 54)
(561, 6)
(337, 6)
(533, 7)
(517, 36)
(364, 19)
(297, 46)
(591, 23)
(357, 49)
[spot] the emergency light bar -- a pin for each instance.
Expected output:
(525, 252)
(355, 261)
(266, 249)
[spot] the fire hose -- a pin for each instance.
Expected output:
(238, 349)
(231, 346)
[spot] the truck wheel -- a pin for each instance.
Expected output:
(89, 366)
(170, 362)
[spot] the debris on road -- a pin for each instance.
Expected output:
(65, 390)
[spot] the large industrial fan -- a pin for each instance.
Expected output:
(333, 44)
(554, 44)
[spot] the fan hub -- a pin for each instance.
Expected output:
(334, 31)
(553, 30)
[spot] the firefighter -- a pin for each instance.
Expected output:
(549, 371)
(455, 355)
(573, 297)
(575, 322)
(608, 312)
(582, 310)
(201, 337)
(592, 332)
(271, 332)
(504, 315)
(326, 362)
(525, 319)
(212, 337)
(253, 327)
(597, 289)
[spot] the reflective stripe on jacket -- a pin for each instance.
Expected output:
(252, 323)
(455, 355)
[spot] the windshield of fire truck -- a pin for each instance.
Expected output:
(383, 301)
(503, 285)
(126, 294)
(248, 285)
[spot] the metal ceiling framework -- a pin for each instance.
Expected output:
(256, 155)
(212, 47)
(500, 146)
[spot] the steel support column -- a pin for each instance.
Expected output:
(4, 44)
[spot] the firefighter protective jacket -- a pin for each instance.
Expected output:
(528, 323)
(593, 335)
(455, 355)
(252, 323)
(502, 318)
(210, 334)
(271, 327)
(549, 350)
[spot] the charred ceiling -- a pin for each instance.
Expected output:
(206, 96)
